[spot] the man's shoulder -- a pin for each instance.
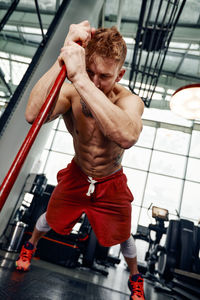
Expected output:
(120, 91)
(127, 99)
(123, 92)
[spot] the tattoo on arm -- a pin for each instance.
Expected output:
(85, 110)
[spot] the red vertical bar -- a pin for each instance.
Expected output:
(16, 166)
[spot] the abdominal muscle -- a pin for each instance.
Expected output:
(97, 157)
(95, 154)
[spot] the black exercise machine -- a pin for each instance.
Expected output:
(174, 267)
(145, 233)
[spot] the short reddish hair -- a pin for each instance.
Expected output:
(107, 43)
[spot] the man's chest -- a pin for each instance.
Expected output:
(85, 126)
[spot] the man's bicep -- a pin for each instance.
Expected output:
(132, 105)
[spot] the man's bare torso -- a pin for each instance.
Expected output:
(96, 155)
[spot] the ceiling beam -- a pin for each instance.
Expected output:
(182, 32)
(22, 9)
(18, 48)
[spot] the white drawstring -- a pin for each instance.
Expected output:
(91, 186)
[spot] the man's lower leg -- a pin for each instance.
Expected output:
(36, 235)
(135, 282)
(28, 249)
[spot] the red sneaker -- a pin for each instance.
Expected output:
(24, 261)
(135, 284)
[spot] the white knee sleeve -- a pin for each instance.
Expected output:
(41, 224)
(128, 248)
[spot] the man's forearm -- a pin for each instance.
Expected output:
(114, 123)
(40, 92)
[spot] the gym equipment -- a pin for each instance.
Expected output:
(15, 232)
(151, 257)
(166, 262)
(178, 263)
(196, 249)
(145, 234)
(174, 267)
(181, 250)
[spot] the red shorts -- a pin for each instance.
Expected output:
(107, 204)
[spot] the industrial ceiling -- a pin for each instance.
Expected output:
(25, 29)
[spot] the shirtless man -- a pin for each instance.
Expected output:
(104, 119)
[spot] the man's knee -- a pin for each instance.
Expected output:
(41, 224)
(128, 248)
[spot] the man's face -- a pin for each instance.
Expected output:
(104, 72)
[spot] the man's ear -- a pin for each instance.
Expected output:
(120, 75)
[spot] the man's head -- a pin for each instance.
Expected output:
(107, 43)
(105, 55)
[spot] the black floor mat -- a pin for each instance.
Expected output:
(43, 284)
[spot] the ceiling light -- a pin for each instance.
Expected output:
(185, 102)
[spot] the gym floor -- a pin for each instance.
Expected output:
(47, 281)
